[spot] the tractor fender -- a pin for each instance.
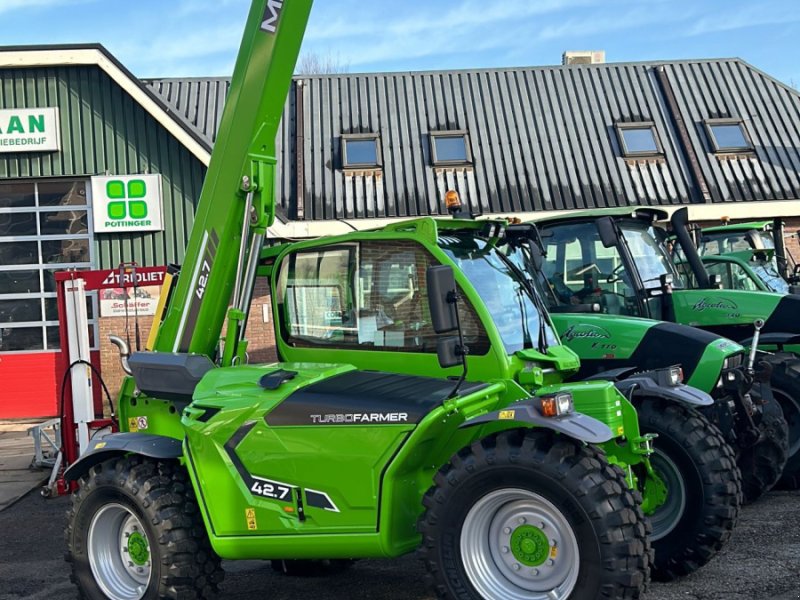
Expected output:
(576, 425)
(642, 386)
(120, 444)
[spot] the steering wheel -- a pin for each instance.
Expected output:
(614, 276)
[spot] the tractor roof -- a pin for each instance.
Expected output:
(750, 225)
(620, 211)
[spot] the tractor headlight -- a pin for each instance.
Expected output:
(557, 405)
(670, 376)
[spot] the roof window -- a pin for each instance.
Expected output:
(450, 148)
(728, 135)
(361, 151)
(638, 138)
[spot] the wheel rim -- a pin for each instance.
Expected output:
(791, 412)
(119, 553)
(668, 514)
(517, 545)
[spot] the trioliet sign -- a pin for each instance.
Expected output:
(29, 130)
(126, 203)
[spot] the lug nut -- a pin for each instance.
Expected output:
(140, 570)
(551, 562)
(554, 543)
(535, 571)
(542, 525)
(505, 549)
(521, 520)
(515, 566)
(507, 530)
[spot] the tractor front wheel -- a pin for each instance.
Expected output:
(135, 531)
(529, 515)
(703, 490)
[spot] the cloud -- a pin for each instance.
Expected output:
(749, 15)
(7, 6)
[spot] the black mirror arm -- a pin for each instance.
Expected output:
(463, 350)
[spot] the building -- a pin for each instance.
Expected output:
(79, 133)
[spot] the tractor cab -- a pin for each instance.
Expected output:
(614, 262)
(750, 256)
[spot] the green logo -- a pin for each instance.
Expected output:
(126, 202)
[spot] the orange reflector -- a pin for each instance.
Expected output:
(549, 406)
(451, 200)
(288, 509)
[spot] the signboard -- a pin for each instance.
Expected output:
(139, 297)
(126, 203)
(29, 130)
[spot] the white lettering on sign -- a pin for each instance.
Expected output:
(29, 130)
(127, 203)
(271, 14)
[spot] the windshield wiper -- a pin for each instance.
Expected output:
(537, 301)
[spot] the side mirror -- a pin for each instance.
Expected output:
(715, 282)
(442, 298)
(447, 350)
(607, 231)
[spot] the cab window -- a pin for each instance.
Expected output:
(366, 295)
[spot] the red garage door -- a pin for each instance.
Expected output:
(28, 385)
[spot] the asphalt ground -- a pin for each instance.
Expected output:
(762, 562)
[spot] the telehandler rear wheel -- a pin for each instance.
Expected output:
(529, 515)
(703, 488)
(134, 531)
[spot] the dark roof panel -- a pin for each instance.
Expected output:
(541, 138)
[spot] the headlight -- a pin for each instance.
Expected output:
(670, 376)
(557, 405)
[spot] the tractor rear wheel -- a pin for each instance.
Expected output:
(763, 463)
(135, 531)
(530, 515)
(785, 383)
(703, 488)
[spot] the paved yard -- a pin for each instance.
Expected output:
(761, 563)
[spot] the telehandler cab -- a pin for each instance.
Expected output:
(500, 484)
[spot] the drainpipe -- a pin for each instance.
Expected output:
(299, 148)
(683, 133)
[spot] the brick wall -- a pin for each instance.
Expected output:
(261, 335)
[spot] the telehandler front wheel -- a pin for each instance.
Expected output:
(529, 515)
(703, 488)
(135, 532)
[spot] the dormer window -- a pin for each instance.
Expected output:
(728, 136)
(638, 139)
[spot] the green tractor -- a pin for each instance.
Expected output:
(617, 262)
(357, 299)
(499, 482)
(748, 256)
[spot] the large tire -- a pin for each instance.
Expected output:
(704, 488)
(786, 389)
(152, 506)
(550, 488)
(762, 464)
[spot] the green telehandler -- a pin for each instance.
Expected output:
(499, 483)
(356, 299)
(618, 261)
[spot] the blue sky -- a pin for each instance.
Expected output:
(161, 38)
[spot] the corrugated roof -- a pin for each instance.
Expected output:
(542, 138)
